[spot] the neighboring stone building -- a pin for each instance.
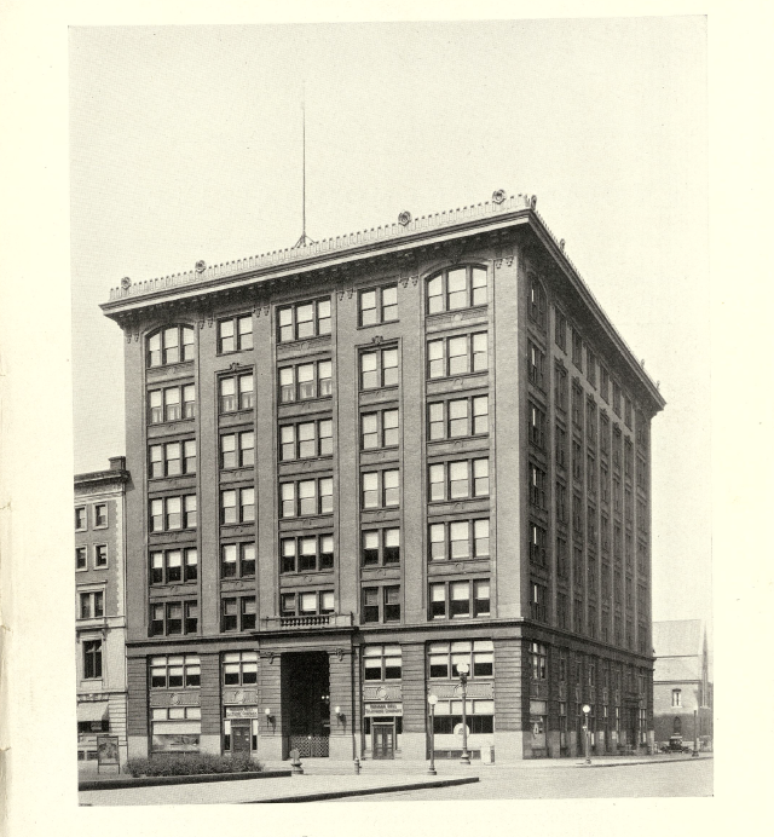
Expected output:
(682, 690)
(100, 626)
(361, 463)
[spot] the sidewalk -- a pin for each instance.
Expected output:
(323, 779)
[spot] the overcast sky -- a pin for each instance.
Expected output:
(186, 145)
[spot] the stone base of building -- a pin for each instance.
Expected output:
(341, 748)
(137, 746)
(413, 746)
(270, 748)
(510, 746)
(554, 744)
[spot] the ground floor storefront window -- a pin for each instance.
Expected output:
(176, 729)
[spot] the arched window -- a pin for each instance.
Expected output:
(172, 344)
(455, 288)
(677, 726)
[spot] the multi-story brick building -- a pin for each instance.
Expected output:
(682, 689)
(100, 620)
(362, 462)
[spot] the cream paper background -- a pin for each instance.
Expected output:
(36, 579)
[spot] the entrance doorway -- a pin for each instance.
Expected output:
(383, 741)
(306, 702)
(240, 738)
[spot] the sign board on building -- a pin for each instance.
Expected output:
(372, 709)
(107, 752)
(241, 711)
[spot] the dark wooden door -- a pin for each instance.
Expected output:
(240, 738)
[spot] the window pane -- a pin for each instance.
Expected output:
(459, 362)
(480, 357)
(458, 480)
(458, 537)
(435, 301)
(437, 482)
(457, 288)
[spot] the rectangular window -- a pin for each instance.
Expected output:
(536, 366)
(240, 668)
(560, 329)
(604, 383)
(381, 604)
(537, 486)
(306, 553)
(81, 562)
(537, 544)
(177, 672)
(237, 505)
(80, 518)
(444, 657)
(459, 480)
(378, 305)
(456, 288)
(577, 349)
(591, 367)
(379, 429)
(305, 381)
(237, 560)
(100, 556)
(560, 439)
(100, 516)
(381, 547)
(561, 558)
(379, 368)
(458, 418)
(173, 513)
(238, 614)
(577, 461)
(560, 387)
(306, 440)
(616, 399)
(537, 303)
(236, 392)
(382, 662)
(380, 489)
(235, 334)
(172, 459)
(306, 497)
(304, 320)
(92, 659)
(538, 661)
(538, 601)
(174, 618)
(458, 355)
(537, 426)
(237, 450)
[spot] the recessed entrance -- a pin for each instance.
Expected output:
(306, 703)
(383, 744)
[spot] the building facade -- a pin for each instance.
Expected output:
(360, 463)
(100, 613)
(682, 689)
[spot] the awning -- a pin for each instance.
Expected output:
(93, 710)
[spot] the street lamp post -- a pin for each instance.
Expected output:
(586, 710)
(432, 700)
(695, 733)
(463, 669)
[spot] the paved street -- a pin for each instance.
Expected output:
(681, 778)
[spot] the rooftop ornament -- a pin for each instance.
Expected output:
(404, 219)
(201, 266)
(498, 196)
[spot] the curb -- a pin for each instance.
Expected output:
(637, 763)
(319, 797)
(155, 781)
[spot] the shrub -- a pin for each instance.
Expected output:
(189, 764)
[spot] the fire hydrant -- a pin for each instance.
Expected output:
(357, 767)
